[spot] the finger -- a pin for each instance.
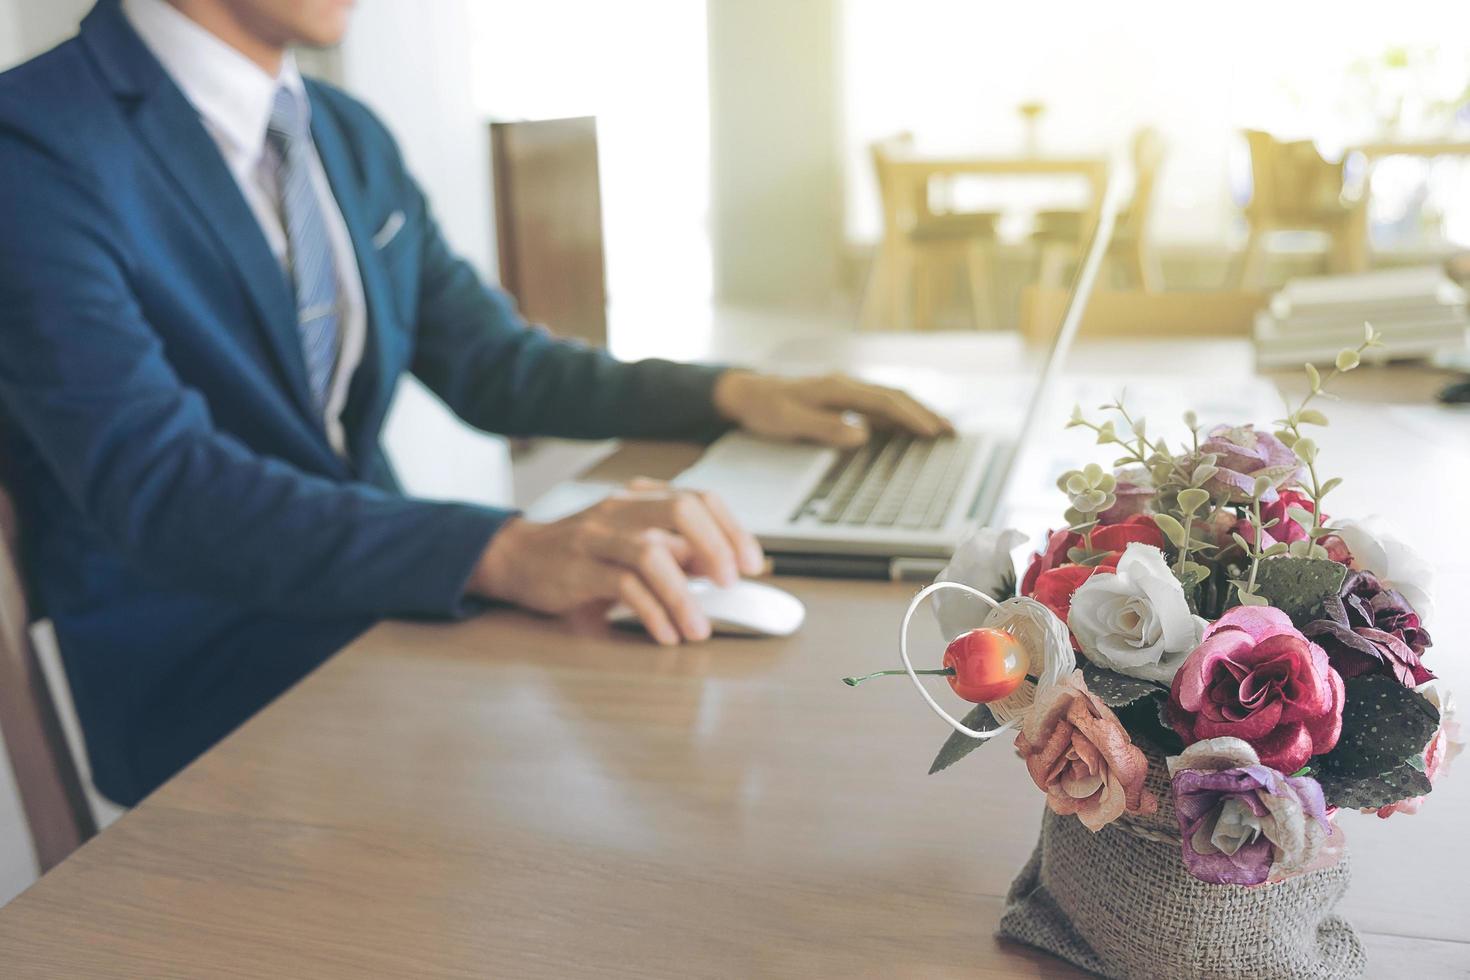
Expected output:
(646, 483)
(649, 554)
(887, 404)
(713, 552)
(649, 610)
(843, 430)
(749, 555)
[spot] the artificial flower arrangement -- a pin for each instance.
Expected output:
(1203, 658)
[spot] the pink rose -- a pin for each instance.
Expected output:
(1078, 753)
(1243, 454)
(1256, 678)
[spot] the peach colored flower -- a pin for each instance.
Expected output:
(1078, 753)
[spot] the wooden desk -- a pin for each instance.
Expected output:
(518, 797)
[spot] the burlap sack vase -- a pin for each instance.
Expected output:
(1121, 904)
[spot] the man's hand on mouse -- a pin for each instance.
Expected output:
(638, 546)
(834, 410)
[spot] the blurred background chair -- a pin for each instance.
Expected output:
(1294, 189)
(1059, 235)
(51, 790)
(923, 251)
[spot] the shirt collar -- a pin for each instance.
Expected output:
(228, 90)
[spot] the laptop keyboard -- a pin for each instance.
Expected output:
(893, 480)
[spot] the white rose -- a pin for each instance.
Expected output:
(1136, 621)
(1394, 563)
(983, 562)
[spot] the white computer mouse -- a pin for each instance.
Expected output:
(743, 609)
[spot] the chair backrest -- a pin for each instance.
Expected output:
(51, 793)
(1148, 157)
(1290, 181)
(898, 216)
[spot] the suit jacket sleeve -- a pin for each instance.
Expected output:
(499, 374)
(86, 381)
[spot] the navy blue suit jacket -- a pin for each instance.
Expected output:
(189, 530)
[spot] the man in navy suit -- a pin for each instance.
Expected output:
(212, 273)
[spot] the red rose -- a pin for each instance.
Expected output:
(1058, 543)
(1256, 678)
(1112, 537)
(1286, 528)
(1055, 586)
(1117, 537)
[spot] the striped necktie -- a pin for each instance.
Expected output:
(309, 251)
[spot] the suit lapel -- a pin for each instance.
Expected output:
(172, 132)
(347, 188)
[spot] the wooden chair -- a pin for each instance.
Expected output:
(51, 792)
(1294, 189)
(1060, 235)
(920, 248)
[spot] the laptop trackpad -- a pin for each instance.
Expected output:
(763, 482)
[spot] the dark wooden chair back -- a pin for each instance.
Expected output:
(548, 222)
(51, 794)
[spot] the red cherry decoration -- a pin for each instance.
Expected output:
(988, 664)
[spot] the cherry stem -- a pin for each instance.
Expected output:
(855, 681)
(940, 671)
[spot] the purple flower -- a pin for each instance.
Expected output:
(1242, 823)
(1370, 628)
(1133, 494)
(1243, 454)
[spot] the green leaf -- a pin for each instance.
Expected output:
(1311, 416)
(1114, 689)
(1192, 574)
(1330, 486)
(1202, 474)
(1347, 359)
(1172, 529)
(1372, 792)
(1192, 499)
(1298, 586)
(1384, 725)
(1314, 378)
(959, 745)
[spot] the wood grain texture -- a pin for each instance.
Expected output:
(517, 796)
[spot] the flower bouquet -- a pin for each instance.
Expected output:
(1201, 671)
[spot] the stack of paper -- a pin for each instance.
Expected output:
(1419, 311)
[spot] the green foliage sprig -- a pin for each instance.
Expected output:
(1185, 504)
(1290, 432)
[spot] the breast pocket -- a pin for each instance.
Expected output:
(393, 243)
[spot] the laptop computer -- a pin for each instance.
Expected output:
(897, 506)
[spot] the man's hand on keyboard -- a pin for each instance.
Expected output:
(834, 410)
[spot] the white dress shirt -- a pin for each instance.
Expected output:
(233, 97)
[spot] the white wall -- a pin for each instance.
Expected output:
(775, 160)
(413, 64)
